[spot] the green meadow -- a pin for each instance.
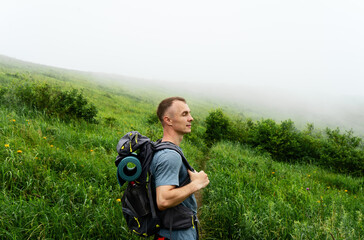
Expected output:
(268, 180)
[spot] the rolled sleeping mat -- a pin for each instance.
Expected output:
(129, 173)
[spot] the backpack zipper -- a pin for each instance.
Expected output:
(136, 219)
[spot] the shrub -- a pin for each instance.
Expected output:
(344, 152)
(73, 104)
(282, 141)
(239, 130)
(54, 102)
(340, 152)
(217, 126)
(310, 144)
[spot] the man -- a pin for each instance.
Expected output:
(169, 171)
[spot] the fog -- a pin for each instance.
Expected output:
(286, 59)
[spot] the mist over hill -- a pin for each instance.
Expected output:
(315, 105)
(323, 109)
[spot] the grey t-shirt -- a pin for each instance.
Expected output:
(168, 169)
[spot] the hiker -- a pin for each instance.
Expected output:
(169, 172)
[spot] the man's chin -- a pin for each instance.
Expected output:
(188, 131)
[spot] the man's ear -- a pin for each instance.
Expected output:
(167, 121)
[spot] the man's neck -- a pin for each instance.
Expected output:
(177, 139)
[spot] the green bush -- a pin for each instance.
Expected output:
(65, 105)
(284, 142)
(239, 130)
(73, 104)
(310, 144)
(343, 151)
(217, 126)
(280, 140)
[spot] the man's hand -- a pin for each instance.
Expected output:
(170, 196)
(199, 179)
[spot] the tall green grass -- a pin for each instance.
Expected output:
(250, 196)
(57, 181)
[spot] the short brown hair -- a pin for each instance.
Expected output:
(165, 104)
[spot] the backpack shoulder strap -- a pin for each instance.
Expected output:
(168, 145)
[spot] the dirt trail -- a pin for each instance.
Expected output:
(199, 194)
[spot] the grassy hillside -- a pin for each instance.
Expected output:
(58, 179)
(253, 197)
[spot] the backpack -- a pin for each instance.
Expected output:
(138, 201)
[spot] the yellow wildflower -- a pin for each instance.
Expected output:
(52, 146)
(7, 145)
(346, 190)
(91, 150)
(118, 200)
(19, 151)
(45, 137)
(273, 172)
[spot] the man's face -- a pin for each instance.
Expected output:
(180, 117)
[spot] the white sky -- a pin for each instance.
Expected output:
(292, 44)
(307, 48)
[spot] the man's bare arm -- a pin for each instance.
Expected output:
(169, 196)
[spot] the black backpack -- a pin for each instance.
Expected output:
(138, 202)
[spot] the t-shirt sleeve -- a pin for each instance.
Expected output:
(167, 168)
